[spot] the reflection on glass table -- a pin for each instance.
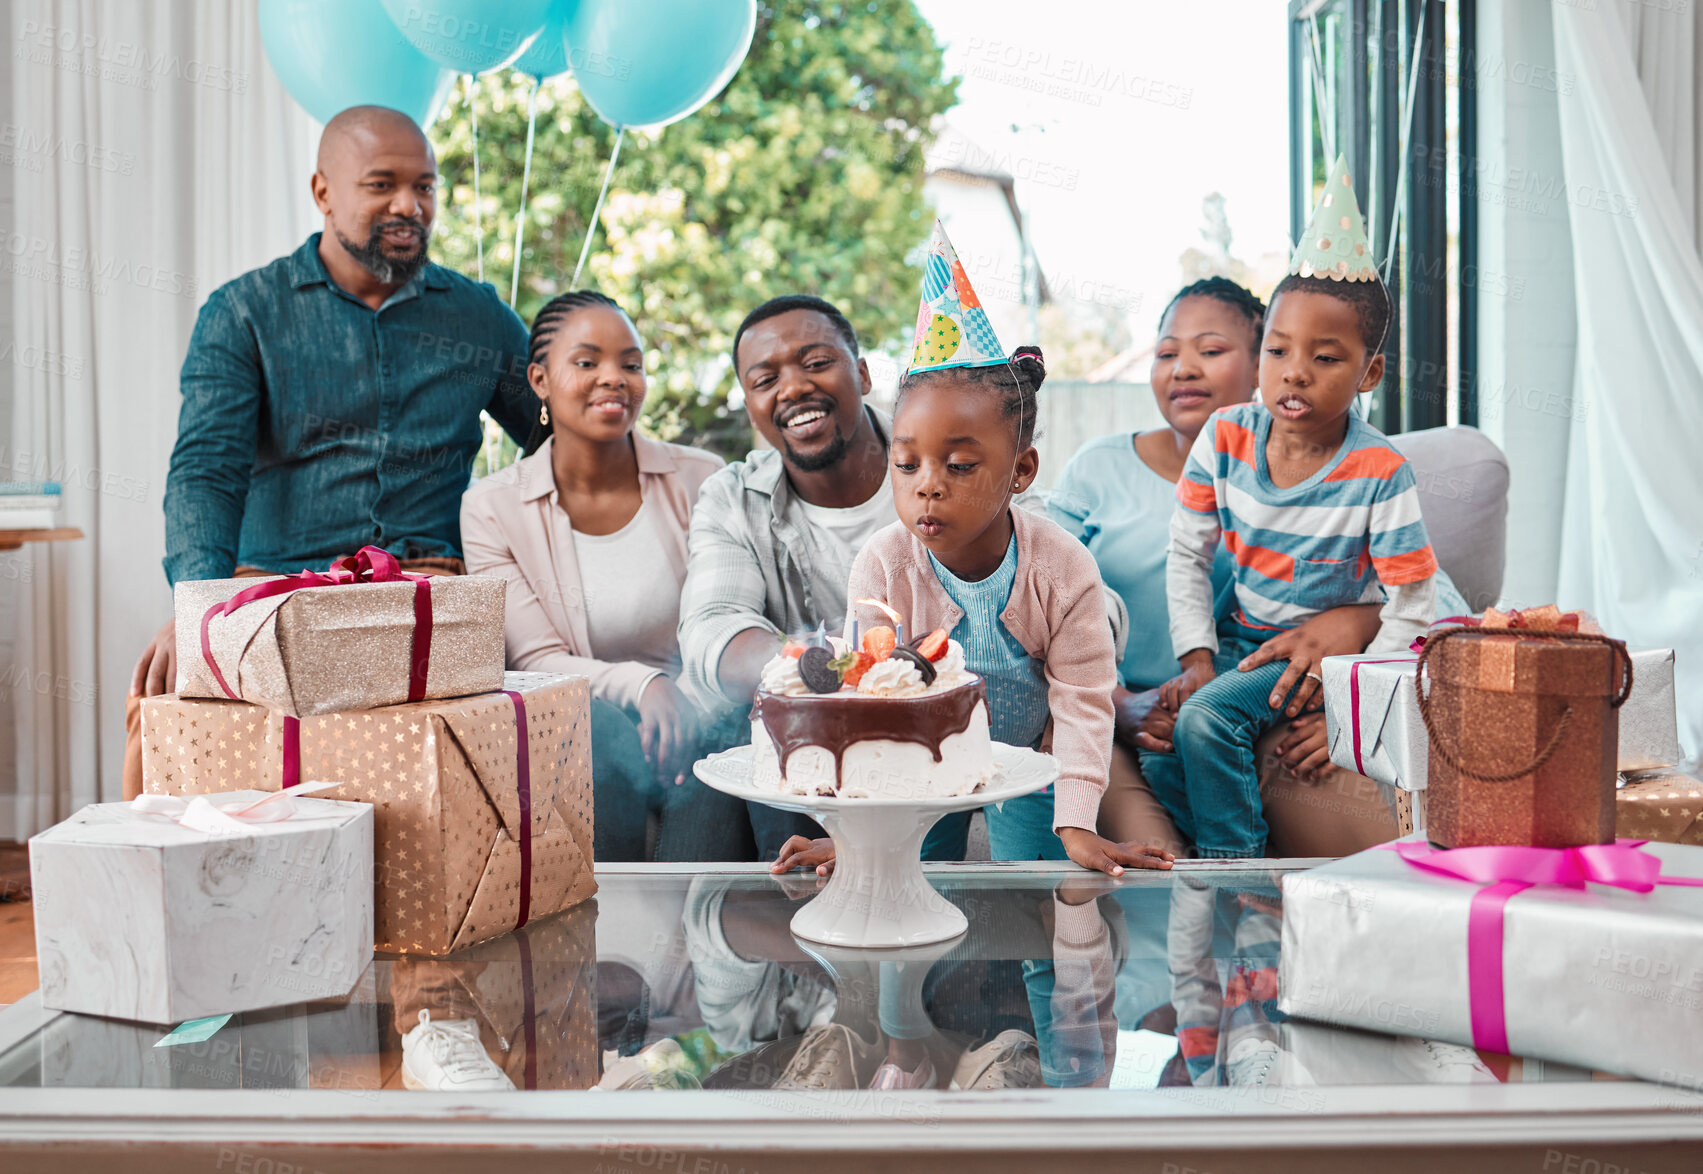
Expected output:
(693, 981)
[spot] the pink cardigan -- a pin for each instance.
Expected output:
(507, 529)
(1057, 612)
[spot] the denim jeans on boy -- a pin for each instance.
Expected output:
(1209, 783)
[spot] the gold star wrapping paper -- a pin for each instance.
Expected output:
(327, 650)
(1663, 805)
(441, 778)
(533, 994)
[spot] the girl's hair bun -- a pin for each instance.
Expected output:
(1032, 364)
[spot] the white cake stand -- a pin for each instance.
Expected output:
(878, 896)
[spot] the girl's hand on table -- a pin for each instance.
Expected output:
(1091, 850)
(1341, 631)
(1305, 747)
(800, 852)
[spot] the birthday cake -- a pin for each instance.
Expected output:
(881, 720)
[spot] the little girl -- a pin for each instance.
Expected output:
(1020, 594)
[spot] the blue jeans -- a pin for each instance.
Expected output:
(1209, 782)
(1022, 829)
(949, 838)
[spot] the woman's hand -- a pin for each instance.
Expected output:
(668, 727)
(1197, 672)
(800, 852)
(1305, 746)
(1341, 631)
(1091, 850)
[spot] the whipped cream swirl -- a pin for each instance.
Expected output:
(892, 678)
(949, 670)
(780, 677)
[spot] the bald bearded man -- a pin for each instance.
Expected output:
(331, 399)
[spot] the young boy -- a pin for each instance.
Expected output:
(1318, 510)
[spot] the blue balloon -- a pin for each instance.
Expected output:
(469, 36)
(334, 54)
(547, 56)
(647, 63)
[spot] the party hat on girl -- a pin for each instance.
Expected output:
(1334, 244)
(952, 328)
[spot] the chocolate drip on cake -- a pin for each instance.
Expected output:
(835, 721)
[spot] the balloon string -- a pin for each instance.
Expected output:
(597, 209)
(525, 178)
(1406, 138)
(478, 225)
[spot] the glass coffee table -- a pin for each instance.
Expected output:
(675, 1024)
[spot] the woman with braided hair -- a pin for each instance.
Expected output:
(590, 532)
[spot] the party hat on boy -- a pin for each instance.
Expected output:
(1334, 244)
(952, 328)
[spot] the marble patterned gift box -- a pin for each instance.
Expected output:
(464, 851)
(329, 649)
(140, 917)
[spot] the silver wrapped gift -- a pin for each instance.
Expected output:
(1381, 737)
(1600, 978)
(1649, 721)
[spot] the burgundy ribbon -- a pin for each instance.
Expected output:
(523, 776)
(292, 751)
(371, 565)
(529, 1017)
(1507, 871)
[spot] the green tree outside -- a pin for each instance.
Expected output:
(805, 175)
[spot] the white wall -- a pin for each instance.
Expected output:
(1526, 315)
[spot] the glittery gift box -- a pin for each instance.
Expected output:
(442, 776)
(532, 993)
(330, 649)
(1523, 734)
(1663, 805)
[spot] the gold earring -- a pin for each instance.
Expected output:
(544, 415)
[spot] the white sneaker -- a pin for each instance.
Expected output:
(1261, 1062)
(1011, 1059)
(447, 1056)
(1435, 1062)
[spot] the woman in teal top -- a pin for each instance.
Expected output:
(1117, 494)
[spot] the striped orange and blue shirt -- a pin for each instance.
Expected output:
(1350, 533)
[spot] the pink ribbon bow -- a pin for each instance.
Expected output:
(1507, 871)
(371, 565)
(224, 814)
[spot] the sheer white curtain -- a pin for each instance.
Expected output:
(154, 156)
(1632, 530)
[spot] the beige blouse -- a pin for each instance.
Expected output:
(513, 525)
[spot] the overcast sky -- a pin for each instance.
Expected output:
(1128, 113)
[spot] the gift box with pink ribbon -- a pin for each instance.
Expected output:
(1591, 956)
(169, 909)
(483, 804)
(362, 634)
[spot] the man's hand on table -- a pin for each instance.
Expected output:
(156, 671)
